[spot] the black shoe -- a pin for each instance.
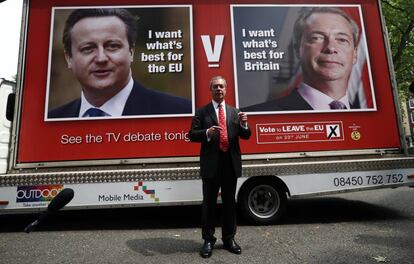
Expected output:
(207, 249)
(232, 246)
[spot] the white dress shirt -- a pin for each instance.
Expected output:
(318, 100)
(113, 107)
(216, 108)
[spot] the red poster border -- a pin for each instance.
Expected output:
(39, 141)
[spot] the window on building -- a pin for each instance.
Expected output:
(411, 103)
(412, 117)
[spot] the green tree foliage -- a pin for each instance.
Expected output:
(399, 16)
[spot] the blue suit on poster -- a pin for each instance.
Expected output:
(292, 102)
(141, 101)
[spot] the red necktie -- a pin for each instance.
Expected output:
(224, 142)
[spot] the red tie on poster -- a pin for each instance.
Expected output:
(224, 143)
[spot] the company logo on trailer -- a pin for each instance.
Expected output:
(147, 191)
(40, 193)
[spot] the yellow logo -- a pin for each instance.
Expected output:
(355, 135)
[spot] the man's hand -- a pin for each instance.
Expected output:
(213, 130)
(243, 118)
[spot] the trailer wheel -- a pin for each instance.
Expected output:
(262, 202)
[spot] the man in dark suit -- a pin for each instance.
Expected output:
(99, 49)
(326, 42)
(218, 127)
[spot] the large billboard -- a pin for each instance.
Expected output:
(120, 80)
(159, 55)
(272, 47)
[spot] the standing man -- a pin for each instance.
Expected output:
(218, 127)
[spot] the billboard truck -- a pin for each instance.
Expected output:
(105, 95)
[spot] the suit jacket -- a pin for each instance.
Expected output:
(206, 117)
(141, 101)
(293, 101)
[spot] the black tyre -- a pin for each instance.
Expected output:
(262, 202)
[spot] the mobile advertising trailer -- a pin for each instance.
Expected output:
(144, 158)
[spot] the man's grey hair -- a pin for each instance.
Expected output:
(307, 12)
(217, 78)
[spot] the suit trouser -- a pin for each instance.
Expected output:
(225, 179)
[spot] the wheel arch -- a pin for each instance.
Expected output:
(268, 178)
